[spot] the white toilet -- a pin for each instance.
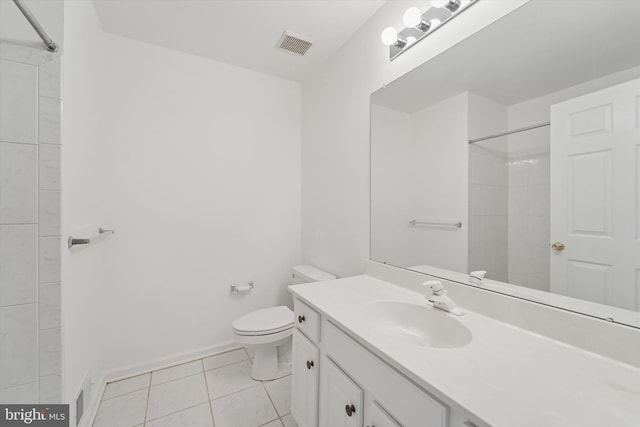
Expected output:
(268, 331)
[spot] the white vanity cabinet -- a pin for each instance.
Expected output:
(355, 388)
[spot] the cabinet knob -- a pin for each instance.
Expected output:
(558, 246)
(350, 409)
(309, 364)
(301, 319)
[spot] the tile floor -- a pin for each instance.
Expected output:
(216, 390)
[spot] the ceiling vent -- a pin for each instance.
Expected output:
(293, 43)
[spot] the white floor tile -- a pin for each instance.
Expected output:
(224, 359)
(175, 372)
(25, 393)
(18, 345)
(248, 408)
(280, 393)
(230, 379)
(198, 416)
(274, 423)
(288, 421)
(124, 411)
(125, 386)
(174, 396)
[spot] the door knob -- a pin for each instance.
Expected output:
(558, 246)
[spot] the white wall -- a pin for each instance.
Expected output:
(86, 270)
(537, 110)
(439, 183)
(335, 130)
(203, 190)
(391, 161)
(196, 165)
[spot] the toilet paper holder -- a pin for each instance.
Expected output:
(236, 289)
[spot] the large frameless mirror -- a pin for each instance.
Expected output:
(517, 152)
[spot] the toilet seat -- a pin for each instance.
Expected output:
(267, 321)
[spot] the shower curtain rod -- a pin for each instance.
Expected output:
(51, 46)
(484, 138)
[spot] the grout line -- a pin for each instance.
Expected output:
(35, 144)
(123, 394)
(146, 409)
(269, 422)
(224, 366)
(50, 97)
(271, 400)
(150, 384)
(20, 385)
(21, 304)
(176, 412)
(237, 391)
(168, 367)
(206, 384)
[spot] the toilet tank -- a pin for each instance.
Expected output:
(308, 273)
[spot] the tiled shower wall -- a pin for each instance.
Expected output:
(30, 241)
(488, 223)
(529, 218)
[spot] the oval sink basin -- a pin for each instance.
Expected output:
(415, 324)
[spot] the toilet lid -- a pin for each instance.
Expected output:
(267, 320)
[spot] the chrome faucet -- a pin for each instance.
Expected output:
(440, 299)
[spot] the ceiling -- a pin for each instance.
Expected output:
(241, 32)
(540, 48)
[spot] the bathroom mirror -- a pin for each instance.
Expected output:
(517, 152)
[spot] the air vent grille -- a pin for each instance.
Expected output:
(293, 43)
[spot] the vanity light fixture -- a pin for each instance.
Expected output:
(418, 24)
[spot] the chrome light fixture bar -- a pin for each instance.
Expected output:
(419, 25)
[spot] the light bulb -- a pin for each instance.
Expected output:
(439, 3)
(389, 36)
(435, 22)
(412, 17)
(411, 40)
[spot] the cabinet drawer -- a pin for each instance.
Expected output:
(405, 402)
(307, 320)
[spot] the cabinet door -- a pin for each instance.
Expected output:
(340, 398)
(304, 389)
(377, 417)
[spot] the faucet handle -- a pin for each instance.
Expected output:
(475, 277)
(435, 286)
(479, 274)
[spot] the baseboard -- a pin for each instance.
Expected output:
(153, 365)
(166, 362)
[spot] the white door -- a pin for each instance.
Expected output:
(304, 389)
(340, 398)
(595, 192)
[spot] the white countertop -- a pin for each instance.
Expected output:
(506, 376)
